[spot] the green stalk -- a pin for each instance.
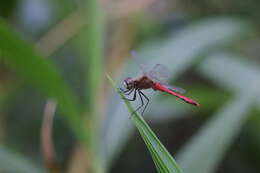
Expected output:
(93, 38)
(95, 46)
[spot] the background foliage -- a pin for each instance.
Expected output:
(60, 50)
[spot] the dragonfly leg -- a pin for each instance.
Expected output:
(124, 91)
(134, 97)
(129, 91)
(146, 102)
(142, 102)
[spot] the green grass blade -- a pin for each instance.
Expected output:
(22, 58)
(92, 42)
(179, 50)
(92, 48)
(206, 149)
(14, 162)
(233, 69)
(163, 160)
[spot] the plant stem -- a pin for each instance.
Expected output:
(93, 38)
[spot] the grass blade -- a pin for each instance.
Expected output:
(92, 42)
(205, 150)
(233, 69)
(161, 157)
(22, 58)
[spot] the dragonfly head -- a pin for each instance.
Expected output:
(129, 83)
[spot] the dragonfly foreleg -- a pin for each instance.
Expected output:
(134, 97)
(129, 91)
(146, 102)
(124, 91)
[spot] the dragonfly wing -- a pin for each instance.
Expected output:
(173, 88)
(137, 59)
(159, 72)
(176, 89)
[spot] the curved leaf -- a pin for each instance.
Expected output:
(22, 58)
(205, 150)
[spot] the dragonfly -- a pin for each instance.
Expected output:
(153, 79)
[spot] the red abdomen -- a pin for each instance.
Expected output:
(161, 87)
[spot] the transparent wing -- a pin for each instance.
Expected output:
(159, 72)
(137, 59)
(175, 89)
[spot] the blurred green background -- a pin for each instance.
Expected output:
(61, 49)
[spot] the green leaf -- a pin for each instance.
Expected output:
(179, 50)
(22, 58)
(161, 157)
(14, 162)
(233, 69)
(205, 150)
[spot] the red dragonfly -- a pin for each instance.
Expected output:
(154, 79)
